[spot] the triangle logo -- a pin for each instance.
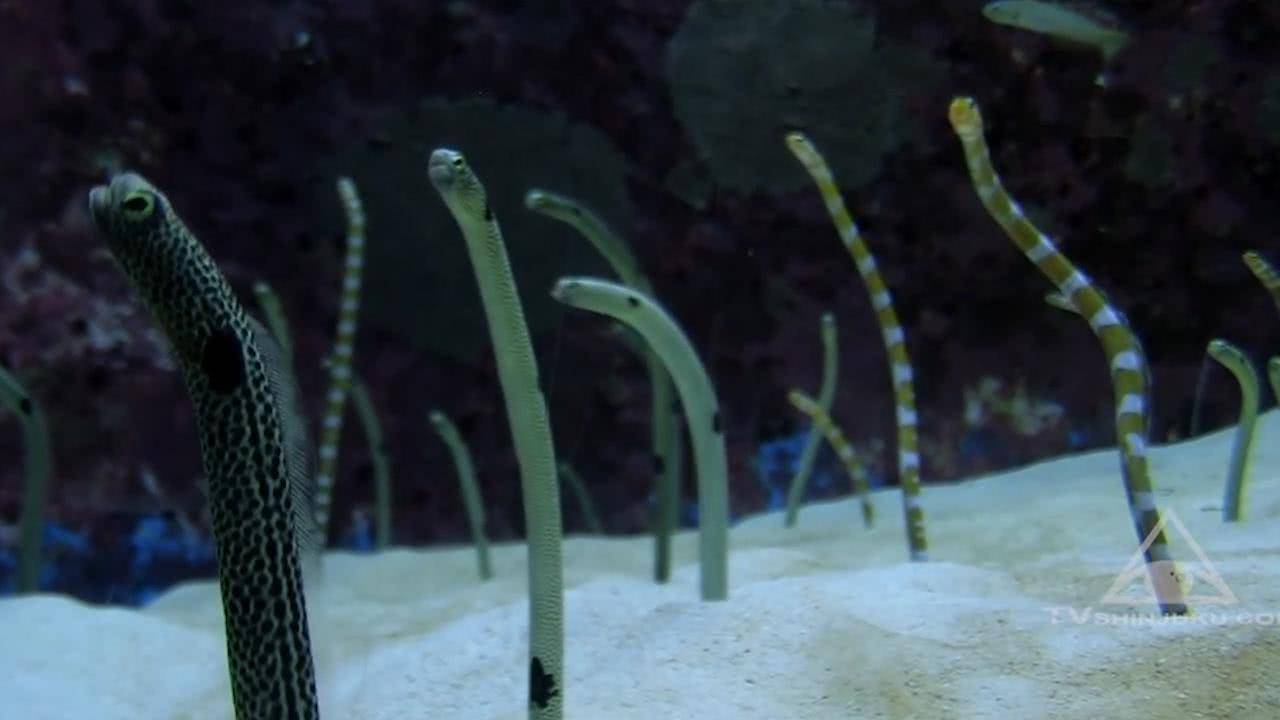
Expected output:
(1198, 582)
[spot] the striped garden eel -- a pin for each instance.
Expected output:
(1234, 359)
(465, 197)
(852, 465)
(252, 443)
(37, 464)
(1265, 273)
(890, 331)
(470, 488)
(665, 432)
(1123, 352)
(659, 329)
(343, 349)
(826, 395)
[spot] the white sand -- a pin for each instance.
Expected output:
(824, 621)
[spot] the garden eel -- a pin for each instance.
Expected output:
(470, 488)
(1234, 359)
(1124, 355)
(643, 314)
(1062, 302)
(852, 465)
(826, 395)
(466, 199)
(343, 349)
(665, 431)
(377, 443)
(273, 316)
(890, 331)
(252, 443)
(37, 464)
(1265, 273)
(570, 477)
(1273, 375)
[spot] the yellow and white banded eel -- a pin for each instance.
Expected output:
(343, 349)
(842, 448)
(1123, 352)
(890, 331)
(1265, 273)
(252, 444)
(826, 395)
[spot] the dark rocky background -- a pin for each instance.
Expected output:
(243, 112)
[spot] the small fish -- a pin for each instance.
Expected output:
(1072, 23)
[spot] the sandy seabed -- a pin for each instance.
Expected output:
(1018, 615)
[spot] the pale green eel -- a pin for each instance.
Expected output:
(665, 434)
(465, 197)
(1234, 360)
(646, 317)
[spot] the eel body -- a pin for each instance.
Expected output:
(463, 193)
(644, 315)
(253, 446)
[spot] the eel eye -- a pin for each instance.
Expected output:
(458, 162)
(138, 205)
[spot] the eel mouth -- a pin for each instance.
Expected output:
(442, 167)
(564, 290)
(103, 199)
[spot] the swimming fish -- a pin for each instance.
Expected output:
(1073, 23)
(252, 444)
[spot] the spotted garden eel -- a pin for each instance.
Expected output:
(890, 331)
(1235, 360)
(826, 395)
(852, 465)
(252, 443)
(461, 455)
(644, 315)
(343, 349)
(37, 463)
(665, 431)
(1124, 355)
(465, 197)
